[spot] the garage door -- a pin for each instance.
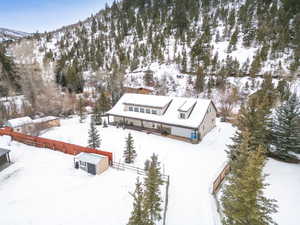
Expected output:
(182, 132)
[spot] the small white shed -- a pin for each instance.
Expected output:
(91, 163)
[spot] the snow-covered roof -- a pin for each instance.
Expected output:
(146, 100)
(171, 116)
(45, 119)
(89, 157)
(187, 105)
(17, 122)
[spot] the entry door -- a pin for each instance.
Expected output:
(91, 168)
(3, 160)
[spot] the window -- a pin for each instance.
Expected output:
(182, 115)
(136, 109)
(142, 110)
(147, 110)
(130, 108)
(154, 111)
(82, 164)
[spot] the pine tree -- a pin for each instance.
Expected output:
(286, 128)
(138, 214)
(129, 153)
(97, 114)
(153, 181)
(94, 137)
(253, 118)
(242, 200)
(199, 85)
(103, 103)
(82, 115)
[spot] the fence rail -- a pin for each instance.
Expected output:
(52, 144)
(218, 181)
(140, 171)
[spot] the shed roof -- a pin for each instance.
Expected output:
(89, 157)
(17, 122)
(3, 151)
(45, 119)
(171, 116)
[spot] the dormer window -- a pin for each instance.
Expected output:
(182, 115)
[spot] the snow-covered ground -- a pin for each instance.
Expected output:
(41, 186)
(284, 180)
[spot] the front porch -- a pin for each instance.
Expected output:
(159, 131)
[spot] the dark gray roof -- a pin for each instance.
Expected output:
(3, 151)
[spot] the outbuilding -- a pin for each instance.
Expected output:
(91, 163)
(21, 124)
(4, 157)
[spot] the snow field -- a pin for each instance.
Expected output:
(41, 186)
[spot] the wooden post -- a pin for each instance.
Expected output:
(8, 158)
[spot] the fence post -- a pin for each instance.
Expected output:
(166, 200)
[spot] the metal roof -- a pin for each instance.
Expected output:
(89, 157)
(3, 151)
(17, 122)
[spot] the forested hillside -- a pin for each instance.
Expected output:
(224, 37)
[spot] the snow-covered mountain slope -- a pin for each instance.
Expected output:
(11, 35)
(227, 37)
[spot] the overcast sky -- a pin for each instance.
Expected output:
(46, 15)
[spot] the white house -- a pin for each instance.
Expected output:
(190, 118)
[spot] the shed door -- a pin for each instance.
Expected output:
(3, 160)
(91, 168)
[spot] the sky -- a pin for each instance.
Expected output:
(46, 15)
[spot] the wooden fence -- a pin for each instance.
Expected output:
(218, 181)
(140, 171)
(52, 144)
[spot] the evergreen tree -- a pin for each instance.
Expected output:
(97, 114)
(138, 214)
(286, 128)
(152, 199)
(254, 118)
(129, 153)
(243, 202)
(94, 137)
(199, 85)
(82, 115)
